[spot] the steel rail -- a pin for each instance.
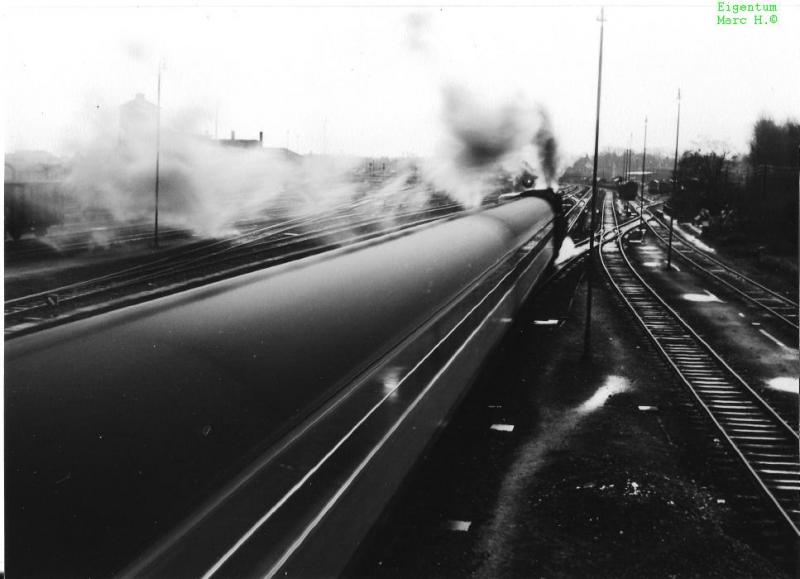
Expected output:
(25, 326)
(766, 445)
(758, 300)
(269, 230)
(174, 264)
(258, 233)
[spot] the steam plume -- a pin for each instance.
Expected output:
(484, 140)
(547, 148)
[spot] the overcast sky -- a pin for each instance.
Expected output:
(369, 81)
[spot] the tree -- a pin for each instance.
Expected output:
(774, 144)
(702, 178)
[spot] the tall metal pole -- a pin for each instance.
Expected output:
(627, 164)
(644, 156)
(630, 158)
(158, 155)
(624, 164)
(674, 181)
(627, 175)
(589, 272)
(630, 162)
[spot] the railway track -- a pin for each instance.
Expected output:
(86, 240)
(776, 304)
(764, 441)
(257, 248)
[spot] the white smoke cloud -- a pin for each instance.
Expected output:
(486, 138)
(207, 186)
(486, 141)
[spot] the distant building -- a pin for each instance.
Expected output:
(281, 153)
(138, 121)
(243, 143)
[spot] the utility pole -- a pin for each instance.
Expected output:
(674, 181)
(590, 263)
(625, 169)
(624, 164)
(628, 172)
(641, 195)
(158, 153)
(630, 162)
(627, 164)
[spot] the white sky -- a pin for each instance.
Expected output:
(359, 80)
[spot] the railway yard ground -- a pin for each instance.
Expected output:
(563, 465)
(777, 269)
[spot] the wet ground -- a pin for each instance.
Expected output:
(777, 271)
(759, 347)
(563, 465)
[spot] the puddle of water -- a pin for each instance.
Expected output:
(651, 263)
(461, 526)
(613, 385)
(785, 384)
(704, 297)
(545, 322)
(503, 427)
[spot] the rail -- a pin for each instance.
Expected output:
(765, 443)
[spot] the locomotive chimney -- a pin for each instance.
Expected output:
(233, 135)
(261, 137)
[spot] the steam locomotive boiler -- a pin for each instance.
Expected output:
(257, 425)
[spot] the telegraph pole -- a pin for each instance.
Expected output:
(625, 163)
(628, 165)
(158, 154)
(630, 155)
(644, 156)
(674, 181)
(588, 325)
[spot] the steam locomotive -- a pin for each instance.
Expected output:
(31, 207)
(257, 425)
